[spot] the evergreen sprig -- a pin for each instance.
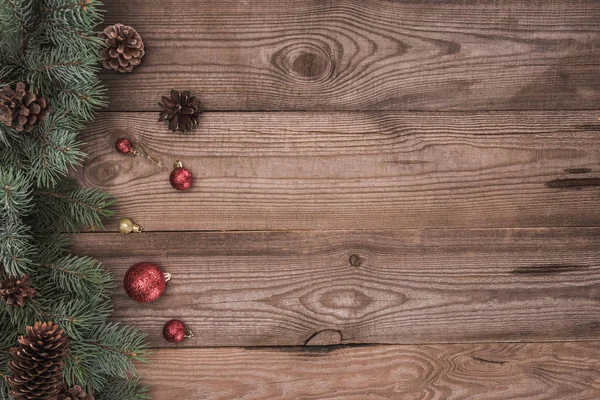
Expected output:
(123, 389)
(52, 46)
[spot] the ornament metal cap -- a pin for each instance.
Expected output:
(127, 226)
(177, 164)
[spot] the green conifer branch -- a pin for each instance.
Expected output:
(123, 389)
(82, 276)
(72, 208)
(52, 46)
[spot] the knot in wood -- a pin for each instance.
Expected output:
(305, 61)
(355, 260)
(103, 172)
(310, 65)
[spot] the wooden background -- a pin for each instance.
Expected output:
(393, 199)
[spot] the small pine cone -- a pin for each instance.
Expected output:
(36, 365)
(21, 108)
(75, 393)
(15, 290)
(124, 48)
(181, 110)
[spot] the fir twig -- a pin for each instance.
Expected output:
(52, 47)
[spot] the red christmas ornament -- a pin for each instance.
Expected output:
(181, 178)
(125, 146)
(174, 331)
(145, 282)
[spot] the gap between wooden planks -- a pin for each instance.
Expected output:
(548, 371)
(363, 54)
(340, 170)
(393, 287)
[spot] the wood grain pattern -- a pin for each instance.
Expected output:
(363, 54)
(372, 170)
(332, 217)
(414, 286)
(443, 372)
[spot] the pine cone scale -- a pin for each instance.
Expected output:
(174, 123)
(28, 99)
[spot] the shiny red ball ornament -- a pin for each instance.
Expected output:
(181, 178)
(174, 331)
(145, 282)
(124, 146)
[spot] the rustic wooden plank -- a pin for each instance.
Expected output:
(373, 170)
(363, 54)
(546, 371)
(413, 286)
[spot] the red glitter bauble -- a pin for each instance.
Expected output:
(144, 282)
(124, 146)
(181, 178)
(174, 331)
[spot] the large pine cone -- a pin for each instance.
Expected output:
(15, 290)
(36, 365)
(124, 48)
(22, 109)
(75, 393)
(181, 110)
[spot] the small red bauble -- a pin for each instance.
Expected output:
(174, 331)
(145, 282)
(181, 178)
(125, 146)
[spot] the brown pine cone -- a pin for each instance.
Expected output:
(22, 109)
(181, 110)
(36, 364)
(124, 48)
(75, 393)
(15, 290)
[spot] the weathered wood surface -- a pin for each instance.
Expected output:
(548, 371)
(373, 170)
(430, 286)
(363, 54)
(377, 182)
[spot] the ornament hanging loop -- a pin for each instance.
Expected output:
(188, 334)
(168, 276)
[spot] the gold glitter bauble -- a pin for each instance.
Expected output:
(127, 226)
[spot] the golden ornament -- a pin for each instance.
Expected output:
(127, 226)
